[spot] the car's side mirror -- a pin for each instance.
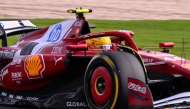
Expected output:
(166, 46)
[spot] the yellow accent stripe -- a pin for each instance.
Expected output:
(108, 61)
(141, 60)
(116, 91)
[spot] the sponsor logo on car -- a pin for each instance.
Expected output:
(137, 87)
(55, 33)
(76, 104)
(147, 60)
(56, 50)
(3, 73)
(3, 94)
(19, 97)
(78, 23)
(32, 98)
(11, 96)
(16, 76)
(59, 59)
(85, 36)
(6, 54)
(94, 34)
(158, 54)
(16, 62)
(18, 82)
(34, 66)
(173, 58)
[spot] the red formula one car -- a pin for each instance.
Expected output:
(66, 66)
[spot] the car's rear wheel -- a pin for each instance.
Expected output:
(106, 79)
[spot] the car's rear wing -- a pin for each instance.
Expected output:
(13, 27)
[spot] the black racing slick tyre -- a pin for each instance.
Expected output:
(105, 82)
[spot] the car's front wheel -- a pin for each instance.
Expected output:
(106, 79)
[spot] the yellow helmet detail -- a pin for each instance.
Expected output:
(99, 43)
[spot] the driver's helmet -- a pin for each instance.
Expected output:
(99, 43)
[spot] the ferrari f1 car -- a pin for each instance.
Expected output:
(65, 65)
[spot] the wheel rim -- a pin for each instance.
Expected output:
(101, 85)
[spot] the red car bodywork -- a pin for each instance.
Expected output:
(54, 42)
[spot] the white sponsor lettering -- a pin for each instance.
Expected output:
(59, 59)
(173, 58)
(4, 94)
(16, 76)
(18, 97)
(78, 23)
(137, 88)
(76, 104)
(32, 98)
(11, 95)
(18, 82)
(158, 54)
(56, 50)
(6, 54)
(16, 62)
(147, 60)
(85, 36)
(4, 72)
(94, 34)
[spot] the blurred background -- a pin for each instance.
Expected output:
(102, 9)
